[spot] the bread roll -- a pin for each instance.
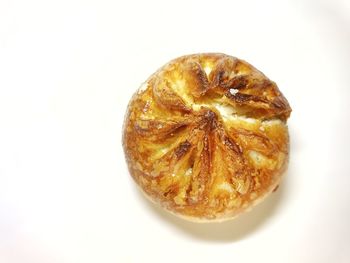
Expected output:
(206, 137)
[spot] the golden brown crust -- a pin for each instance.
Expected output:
(206, 137)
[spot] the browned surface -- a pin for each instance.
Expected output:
(191, 157)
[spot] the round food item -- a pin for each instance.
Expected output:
(206, 137)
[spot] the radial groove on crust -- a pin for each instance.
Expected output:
(206, 136)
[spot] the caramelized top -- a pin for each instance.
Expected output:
(205, 136)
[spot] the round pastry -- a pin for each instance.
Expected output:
(206, 137)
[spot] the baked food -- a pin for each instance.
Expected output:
(206, 136)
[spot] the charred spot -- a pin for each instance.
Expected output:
(172, 190)
(182, 149)
(168, 99)
(195, 75)
(243, 98)
(179, 106)
(209, 115)
(239, 97)
(208, 120)
(177, 129)
(202, 77)
(279, 103)
(232, 145)
(239, 82)
(218, 78)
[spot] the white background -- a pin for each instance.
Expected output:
(67, 71)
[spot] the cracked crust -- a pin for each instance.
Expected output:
(206, 137)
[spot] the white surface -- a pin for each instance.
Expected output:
(67, 71)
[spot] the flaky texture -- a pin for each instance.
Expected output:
(206, 137)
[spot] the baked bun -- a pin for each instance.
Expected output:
(206, 137)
